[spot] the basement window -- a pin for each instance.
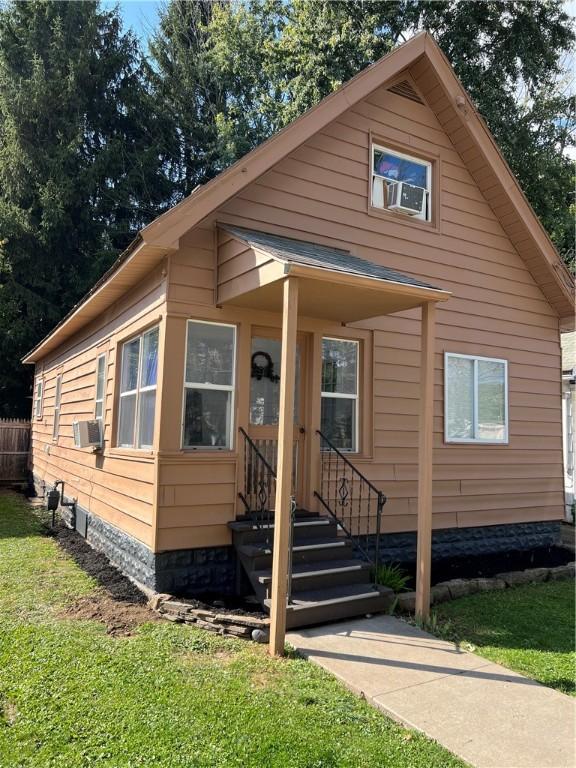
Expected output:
(475, 399)
(401, 183)
(139, 369)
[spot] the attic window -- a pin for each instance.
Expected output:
(401, 183)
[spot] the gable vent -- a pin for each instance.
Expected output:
(406, 89)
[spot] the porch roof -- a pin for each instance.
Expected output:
(351, 288)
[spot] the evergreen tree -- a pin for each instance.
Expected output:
(80, 152)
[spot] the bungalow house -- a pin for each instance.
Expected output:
(360, 321)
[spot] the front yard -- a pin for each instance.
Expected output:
(74, 695)
(529, 629)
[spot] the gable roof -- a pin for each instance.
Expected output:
(289, 250)
(469, 133)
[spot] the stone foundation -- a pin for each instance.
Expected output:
(214, 570)
(468, 542)
(190, 572)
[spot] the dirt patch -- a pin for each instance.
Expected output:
(9, 712)
(120, 617)
(97, 565)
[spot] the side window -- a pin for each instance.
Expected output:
(401, 183)
(209, 382)
(38, 394)
(475, 399)
(57, 398)
(339, 415)
(138, 373)
(100, 387)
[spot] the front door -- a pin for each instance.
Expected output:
(265, 370)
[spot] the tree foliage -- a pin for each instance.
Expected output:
(79, 166)
(283, 57)
(96, 139)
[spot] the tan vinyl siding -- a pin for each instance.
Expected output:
(320, 193)
(114, 485)
(178, 499)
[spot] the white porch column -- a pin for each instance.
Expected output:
(284, 469)
(425, 452)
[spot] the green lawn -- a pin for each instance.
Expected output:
(529, 629)
(168, 696)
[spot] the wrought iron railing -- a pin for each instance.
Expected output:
(351, 499)
(259, 495)
(259, 491)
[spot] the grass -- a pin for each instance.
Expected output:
(529, 629)
(169, 696)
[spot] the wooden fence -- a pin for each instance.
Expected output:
(14, 448)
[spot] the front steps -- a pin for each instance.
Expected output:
(329, 582)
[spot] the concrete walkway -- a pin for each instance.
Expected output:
(485, 713)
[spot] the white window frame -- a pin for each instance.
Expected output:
(38, 398)
(101, 400)
(402, 155)
(345, 396)
(212, 387)
(57, 401)
(475, 440)
(135, 445)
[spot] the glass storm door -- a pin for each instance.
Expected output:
(265, 370)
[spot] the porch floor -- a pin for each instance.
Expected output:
(487, 714)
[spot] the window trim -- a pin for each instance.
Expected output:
(427, 219)
(476, 440)
(57, 404)
(135, 446)
(38, 398)
(343, 395)
(102, 400)
(210, 387)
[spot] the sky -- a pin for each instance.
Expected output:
(140, 15)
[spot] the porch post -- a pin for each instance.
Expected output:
(282, 511)
(425, 446)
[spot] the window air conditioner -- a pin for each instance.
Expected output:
(406, 198)
(87, 434)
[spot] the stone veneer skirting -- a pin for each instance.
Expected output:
(469, 542)
(214, 570)
(208, 570)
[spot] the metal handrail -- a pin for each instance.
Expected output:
(339, 480)
(354, 469)
(258, 451)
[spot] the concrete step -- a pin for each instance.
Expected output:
(320, 575)
(258, 556)
(317, 606)
(311, 528)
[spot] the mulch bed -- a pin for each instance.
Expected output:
(97, 565)
(491, 564)
(118, 603)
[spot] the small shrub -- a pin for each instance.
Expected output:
(392, 576)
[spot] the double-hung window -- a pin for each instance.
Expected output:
(339, 413)
(57, 398)
(139, 368)
(38, 391)
(209, 382)
(476, 399)
(100, 387)
(401, 183)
